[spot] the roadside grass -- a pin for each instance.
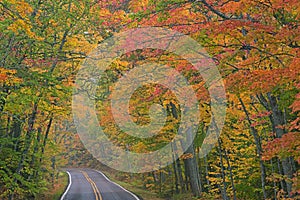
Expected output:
(54, 192)
(182, 197)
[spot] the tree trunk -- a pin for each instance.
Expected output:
(175, 171)
(179, 171)
(206, 172)
(223, 190)
(277, 119)
(231, 174)
(274, 183)
(258, 149)
(28, 140)
(192, 172)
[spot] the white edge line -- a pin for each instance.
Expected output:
(68, 188)
(117, 185)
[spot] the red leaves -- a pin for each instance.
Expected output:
(284, 4)
(260, 81)
(295, 125)
(261, 115)
(254, 124)
(288, 145)
(296, 105)
(157, 92)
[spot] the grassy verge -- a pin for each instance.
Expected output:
(55, 191)
(182, 197)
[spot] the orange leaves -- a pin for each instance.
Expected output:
(178, 18)
(254, 124)
(138, 5)
(231, 7)
(296, 105)
(186, 156)
(110, 18)
(294, 65)
(23, 8)
(295, 125)
(288, 145)
(3, 77)
(286, 4)
(260, 81)
(8, 77)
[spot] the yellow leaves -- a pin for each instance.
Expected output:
(78, 43)
(21, 25)
(140, 147)
(72, 42)
(205, 114)
(22, 7)
(151, 185)
(53, 23)
(138, 5)
(186, 156)
(120, 17)
(7, 76)
(104, 13)
(38, 69)
(22, 12)
(121, 65)
(4, 74)
(149, 178)
(59, 87)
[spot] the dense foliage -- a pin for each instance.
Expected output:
(255, 45)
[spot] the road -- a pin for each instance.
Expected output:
(88, 184)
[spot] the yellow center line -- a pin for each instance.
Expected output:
(94, 186)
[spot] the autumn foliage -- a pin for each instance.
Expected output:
(254, 44)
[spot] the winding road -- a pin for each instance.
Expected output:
(88, 184)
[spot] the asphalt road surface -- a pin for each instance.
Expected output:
(88, 184)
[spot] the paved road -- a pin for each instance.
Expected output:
(88, 184)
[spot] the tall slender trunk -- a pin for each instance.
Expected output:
(206, 173)
(180, 176)
(175, 170)
(34, 154)
(28, 140)
(16, 133)
(192, 172)
(274, 183)
(281, 173)
(230, 174)
(277, 119)
(46, 136)
(223, 190)
(258, 149)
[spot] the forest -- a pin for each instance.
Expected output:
(254, 45)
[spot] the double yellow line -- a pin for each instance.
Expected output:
(93, 184)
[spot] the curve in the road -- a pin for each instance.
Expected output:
(93, 184)
(88, 184)
(68, 188)
(118, 185)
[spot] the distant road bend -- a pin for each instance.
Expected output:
(88, 184)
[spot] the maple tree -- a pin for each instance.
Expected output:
(255, 45)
